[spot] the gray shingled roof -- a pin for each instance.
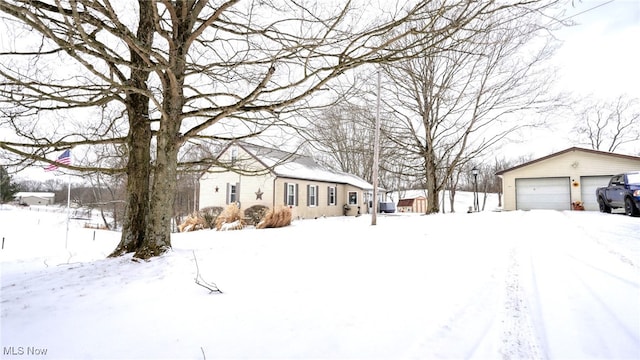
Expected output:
(288, 165)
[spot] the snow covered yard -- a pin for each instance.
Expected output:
(537, 284)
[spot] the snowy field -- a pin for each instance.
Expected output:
(490, 285)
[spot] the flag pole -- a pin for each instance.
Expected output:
(66, 239)
(64, 158)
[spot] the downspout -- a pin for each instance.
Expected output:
(273, 207)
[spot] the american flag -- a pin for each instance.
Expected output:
(65, 158)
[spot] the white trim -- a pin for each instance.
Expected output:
(333, 190)
(291, 194)
(349, 198)
(313, 198)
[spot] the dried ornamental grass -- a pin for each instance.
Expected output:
(236, 225)
(193, 222)
(230, 215)
(276, 218)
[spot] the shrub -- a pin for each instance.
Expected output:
(193, 222)
(210, 215)
(256, 213)
(276, 218)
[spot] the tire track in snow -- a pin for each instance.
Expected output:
(467, 332)
(583, 296)
(464, 331)
(589, 300)
(596, 296)
(591, 234)
(602, 271)
(585, 271)
(519, 339)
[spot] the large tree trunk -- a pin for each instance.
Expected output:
(158, 234)
(138, 169)
(134, 224)
(433, 205)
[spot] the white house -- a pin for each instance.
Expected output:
(560, 179)
(250, 175)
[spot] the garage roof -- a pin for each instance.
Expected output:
(499, 173)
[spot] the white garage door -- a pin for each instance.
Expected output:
(588, 186)
(543, 193)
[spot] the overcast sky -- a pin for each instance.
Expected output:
(601, 53)
(599, 58)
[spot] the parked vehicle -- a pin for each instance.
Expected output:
(623, 192)
(387, 207)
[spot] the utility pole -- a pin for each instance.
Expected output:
(376, 156)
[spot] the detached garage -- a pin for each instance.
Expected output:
(558, 180)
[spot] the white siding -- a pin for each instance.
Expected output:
(255, 183)
(254, 180)
(588, 185)
(574, 164)
(543, 193)
(303, 209)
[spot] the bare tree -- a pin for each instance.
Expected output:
(194, 160)
(108, 193)
(343, 134)
(171, 71)
(608, 125)
(343, 137)
(467, 94)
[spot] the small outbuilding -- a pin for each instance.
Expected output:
(413, 205)
(561, 179)
(35, 198)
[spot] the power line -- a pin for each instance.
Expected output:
(587, 10)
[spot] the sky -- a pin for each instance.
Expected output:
(598, 58)
(601, 53)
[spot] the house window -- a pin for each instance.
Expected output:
(331, 195)
(291, 194)
(233, 192)
(353, 198)
(312, 195)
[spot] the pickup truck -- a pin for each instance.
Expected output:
(623, 192)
